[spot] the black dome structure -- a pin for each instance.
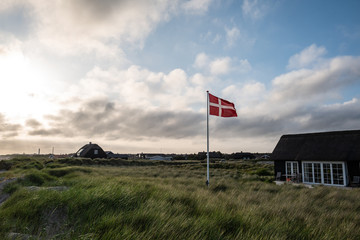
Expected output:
(91, 150)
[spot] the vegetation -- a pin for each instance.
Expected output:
(124, 199)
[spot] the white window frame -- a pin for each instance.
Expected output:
(292, 169)
(322, 172)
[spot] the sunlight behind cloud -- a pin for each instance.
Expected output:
(24, 90)
(135, 73)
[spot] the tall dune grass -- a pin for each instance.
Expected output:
(171, 201)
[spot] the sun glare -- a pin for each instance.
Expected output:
(23, 92)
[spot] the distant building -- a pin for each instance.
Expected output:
(110, 154)
(155, 156)
(147, 155)
(213, 154)
(243, 155)
(328, 158)
(265, 156)
(91, 150)
(161, 158)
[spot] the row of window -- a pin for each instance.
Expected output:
(318, 172)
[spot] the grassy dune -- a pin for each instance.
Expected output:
(74, 199)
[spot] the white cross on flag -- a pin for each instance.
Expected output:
(220, 107)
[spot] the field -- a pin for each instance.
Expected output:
(129, 199)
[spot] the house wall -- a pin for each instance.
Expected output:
(90, 153)
(279, 166)
(353, 168)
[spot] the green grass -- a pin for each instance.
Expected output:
(161, 200)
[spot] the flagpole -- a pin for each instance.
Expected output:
(207, 133)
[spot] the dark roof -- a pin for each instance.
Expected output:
(91, 150)
(325, 146)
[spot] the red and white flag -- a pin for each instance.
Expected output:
(220, 107)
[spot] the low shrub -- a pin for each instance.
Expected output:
(5, 165)
(36, 178)
(263, 172)
(60, 172)
(11, 187)
(32, 164)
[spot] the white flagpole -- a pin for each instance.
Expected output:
(207, 131)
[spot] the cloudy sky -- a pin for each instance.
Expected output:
(132, 75)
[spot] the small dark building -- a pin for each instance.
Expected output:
(91, 150)
(110, 154)
(243, 155)
(328, 158)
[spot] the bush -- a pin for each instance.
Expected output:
(60, 172)
(33, 164)
(263, 172)
(11, 187)
(5, 165)
(37, 178)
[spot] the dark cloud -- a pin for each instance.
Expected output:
(33, 123)
(334, 117)
(345, 116)
(95, 10)
(243, 127)
(106, 119)
(8, 130)
(45, 132)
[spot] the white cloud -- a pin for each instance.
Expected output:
(306, 57)
(139, 88)
(201, 61)
(9, 4)
(104, 27)
(216, 39)
(200, 80)
(220, 66)
(135, 96)
(175, 81)
(70, 27)
(308, 84)
(255, 9)
(196, 6)
(244, 65)
(247, 95)
(251, 90)
(232, 35)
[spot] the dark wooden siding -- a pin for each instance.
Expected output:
(279, 166)
(353, 169)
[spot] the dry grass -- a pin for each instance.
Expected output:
(171, 201)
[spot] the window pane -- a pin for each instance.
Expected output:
(317, 172)
(308, 175)
(327, 173)
(337, 173)
(288, 168)
(295, 168)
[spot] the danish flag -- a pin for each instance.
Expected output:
(220, 107)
